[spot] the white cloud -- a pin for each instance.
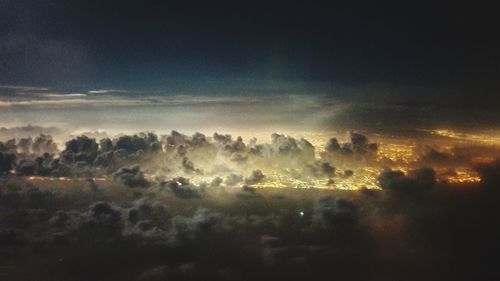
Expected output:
(110, 91)
(23, 88)
(65, 95)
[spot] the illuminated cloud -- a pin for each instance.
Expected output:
(23, 88)
(110, 91)
(70, 95)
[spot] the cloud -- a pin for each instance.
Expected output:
(131, 176)
(428, 154)
(7, 161)
(41, 144)
(28, 131)
(182, 188)
(65, 101)
(189, 166)
(101, 221)
(44, 144)
(332, 211)
(287, 146)
(332, 145)
(233, 179)
(29, 157)
(147, 142)
(490, 175)
(175, 155)
(416, 183)
(256, 177)
(111, 91)
(81, 148)
(357, 145)
(296, 237)
(70, 95)
(203, 222)
(23, 88)
(319, 169)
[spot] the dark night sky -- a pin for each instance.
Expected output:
(153, 45)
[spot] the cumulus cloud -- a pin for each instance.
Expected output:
(306, 230)
(28, 131)
(203, 222)
(333, 211)
(255, 177)
(131, 176)
(233, 179)
(320, 169)
(332, 145)
(142, 142)
(173, 155)
(81, 148)
(7, 161)
(416, 182)
(287, 146)
(357, 146)
(189, 166)
(103, 220)
(182, 188)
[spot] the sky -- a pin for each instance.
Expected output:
(390, 63)
(158, 45)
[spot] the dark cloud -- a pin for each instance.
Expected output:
(460, 155)
(131, 176)
(302, 235)
(182, 188)
(181, 142)
(27, 167)
(320, 169)
(95, 228)
(82, 144)
(186, 271)
(189, 166)
(216, 182)
(7, 161)
(8, 146)
(333, 211)
(222, 138)
(102, 220)
(357, 147)
(332, 145)
(203, 222)
(490, 175)
(428, 154)
(233, 179)
(92, 185)
(417, 182)
(248, 189)
(80, 149)
(143, 142)
(256, 177)
(348, 173)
